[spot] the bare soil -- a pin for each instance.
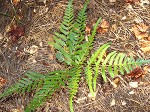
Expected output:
(31, 52)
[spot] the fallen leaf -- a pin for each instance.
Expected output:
(133, 84)
(116, 82)
(103, 27)
(123, 103)
(146, 49)
(132, 92)
(140, 30)
(145, 45)
(148, 38)
(114, 27)
(112, 1)
(146, 69)
(136, 73)
(113, 102)
(15, 2)
(16, 32)
(88, 29)
(33, 49)
(2, 81)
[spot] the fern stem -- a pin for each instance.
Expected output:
(71, 103)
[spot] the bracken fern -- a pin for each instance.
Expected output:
(73, 50)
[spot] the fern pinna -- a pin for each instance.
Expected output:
(73, 50)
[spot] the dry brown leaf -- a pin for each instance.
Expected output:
(114, 27)
(146, 69)
(15, 2)
(113, 102)
(103, 27)
(136, 73)
(140, 30)
(145, 45)
(146, 49)
(2, 81)
(116, 82)
(148, 38)
(88, 29)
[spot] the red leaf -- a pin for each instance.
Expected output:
(17, 32)
(2, 81)
(135, 73)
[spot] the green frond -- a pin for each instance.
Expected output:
(114, 63)
(74, 79)
(32, 81)
(64, 39)
(91, 37)
(82, 19)
(118, 63)
(89, 77)
(95, 59)
(54, 81)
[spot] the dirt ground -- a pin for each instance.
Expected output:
(31, 52)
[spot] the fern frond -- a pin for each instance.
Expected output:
(114, 63)
(93, 60)
(54, 81)
(64, 38)
(74, 79)
(32, 81)
(91, 38)
(82, 19)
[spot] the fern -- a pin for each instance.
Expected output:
(114, 63)
(64, 39)
(73, 50)
(52, 82)
(32, 81)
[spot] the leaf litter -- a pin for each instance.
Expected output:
(35, 36)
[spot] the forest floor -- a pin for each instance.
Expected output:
(27, 49)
